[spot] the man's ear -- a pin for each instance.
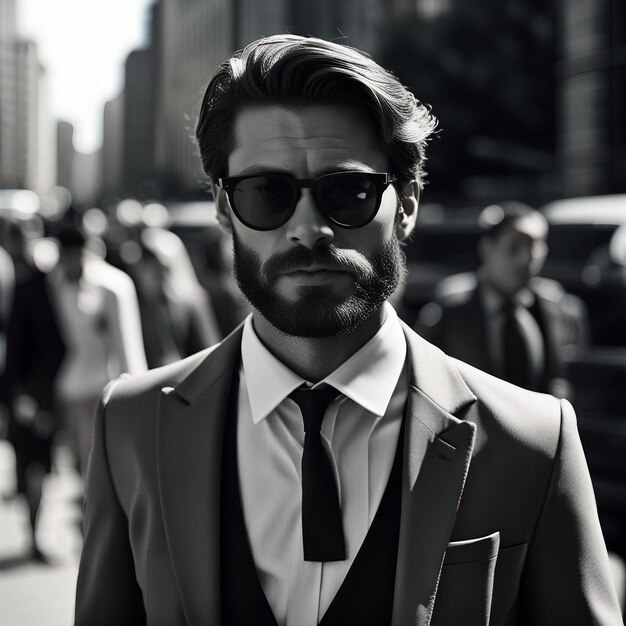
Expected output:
(222, 208)
(408, 216)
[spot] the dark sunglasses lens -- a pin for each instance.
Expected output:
(263, 202)
(351, 199)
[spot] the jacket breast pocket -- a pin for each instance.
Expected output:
(465, 587)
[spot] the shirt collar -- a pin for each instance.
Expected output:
(494, 301)
(368, 377)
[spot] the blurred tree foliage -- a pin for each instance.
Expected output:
(487, 70)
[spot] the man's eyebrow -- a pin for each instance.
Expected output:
(253, 170)
(346, 166)
(350, 166)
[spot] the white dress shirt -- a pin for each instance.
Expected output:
(361, 431)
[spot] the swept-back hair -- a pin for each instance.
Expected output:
(295, 71)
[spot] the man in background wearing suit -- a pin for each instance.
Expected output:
(423, 491)
(505, 319)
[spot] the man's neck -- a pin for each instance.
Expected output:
(497, 291)
(314, 358)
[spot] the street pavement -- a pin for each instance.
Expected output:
(31, 593)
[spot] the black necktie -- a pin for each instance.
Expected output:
(322, 529)
(516, 355)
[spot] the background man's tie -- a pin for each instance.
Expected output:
(516, 352)
(322, 529)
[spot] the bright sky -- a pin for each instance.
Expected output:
(83, 45)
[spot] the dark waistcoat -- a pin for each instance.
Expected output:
(366, 595)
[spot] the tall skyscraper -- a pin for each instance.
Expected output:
(65, 154)
(46, 136)
(192, 38)
(26, 127)
(138, 174)
(113, 146)
(9, 168)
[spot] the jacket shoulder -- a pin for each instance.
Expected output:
(552, 292)
(504, 414)
(457, 290)
(108, 278)
(454, 295)
(548, 289)
(129, 389)
(513, 416)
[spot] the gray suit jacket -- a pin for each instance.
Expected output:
(498, 516)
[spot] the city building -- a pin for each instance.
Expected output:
(80, 173)
(9, 168)
(26, 126)
(591, 75)
(113, 147)
(65, 154)
(35, 138)
(46, 136)
(192, 37)
(138, 176)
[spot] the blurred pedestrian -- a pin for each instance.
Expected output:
(174, 318)
(35, 350)
(505, 319)
(100, 322)
(7, 285)
(216, 277)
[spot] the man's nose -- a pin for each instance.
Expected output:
(308, 226)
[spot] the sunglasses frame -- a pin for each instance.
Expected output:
(380, 180)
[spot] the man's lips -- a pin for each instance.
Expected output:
(312, 274)
(314, 271)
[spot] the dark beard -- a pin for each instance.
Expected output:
(318, 311)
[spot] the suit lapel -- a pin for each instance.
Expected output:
(189, 440)
(438, 448)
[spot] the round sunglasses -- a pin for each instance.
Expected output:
(267, 201)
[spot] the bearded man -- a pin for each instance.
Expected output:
(324, 464)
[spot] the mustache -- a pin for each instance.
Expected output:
(328, 257)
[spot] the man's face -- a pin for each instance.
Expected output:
(515, 256)
(311, 277)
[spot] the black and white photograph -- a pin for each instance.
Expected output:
(312, 313)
